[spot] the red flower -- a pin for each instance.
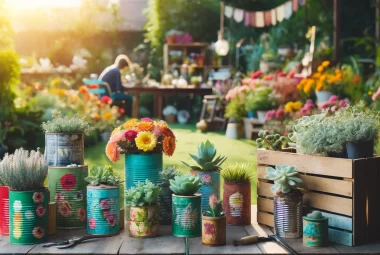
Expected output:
(130, 135)
(106, 100)
(68, 181)
(106, 214)
(121, 111)
(93, 86)
(209, 228)
(81, 214)
(40, 211)
(38, 197)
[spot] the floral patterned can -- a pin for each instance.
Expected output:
(68, 189)
(28, 211)
(214, 230)
(103, 210)
(211, 186)
(143, 221)
(186, 218)
(4, 211)
(237, 203)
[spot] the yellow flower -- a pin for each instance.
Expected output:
(320, 69)
(107, 116)
(130, 123)
(146, 141)
(370, 93)
(316, 75)
(322, 78)
(297, 106)
(288, 107)
(319, 86)
(325, 63)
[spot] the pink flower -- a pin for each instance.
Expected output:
(256, 74)
(92, 223)
(213, 200)
(269, 115)
(343, 103)
(304, 111)
(130, 135)
(325, 105)
(38, 197)
(81, 214)
(209, 228)
(106, 214)
(281, 74)
(40, 211)
(59, 197)
(104, 204)
(134, 215)
(280, 113)
(106, 100)
(68, 181)
(206, 178)
(112, 220)
(147, 119)
(38, 232)
(112, 150)
(333, 99)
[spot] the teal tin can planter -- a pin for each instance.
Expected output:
(186, 219)
(166, 208)
(103, 210)
(315, 230)
(62, 149)
(139, 167)
(28, 211)
(211, 186)
(68, 189)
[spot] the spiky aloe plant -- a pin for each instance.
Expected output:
(185, 185)
(205, 158)
(286, 178)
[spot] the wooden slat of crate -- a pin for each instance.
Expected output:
(265, 204)
(336, 167)
(265, 219)
(341, 237)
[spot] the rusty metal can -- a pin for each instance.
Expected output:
(214, 230)
(143, 221)
(186, 219)
(237, 203)
(68, 189)
(103, 210)
(4, 210)
(62, 149)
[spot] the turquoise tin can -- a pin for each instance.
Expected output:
(211, 186)
(28, 214)
(139, 167)
(315, 230)
(103, 210)
(186, 218)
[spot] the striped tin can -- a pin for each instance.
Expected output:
(28, 211)
(237, 202)
(139, 167)
(288, 215)
(143, 221)
(62, 149)
(186, 219)
(214, 230)
(68, 189)
(211, 186)
(103, 210)
(4, 210)
(166, 206)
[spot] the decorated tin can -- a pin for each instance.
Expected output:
(166, 206)
(315, 230)
(4, 210)
(143, 221)
(28, 213)
(211, 186)
(140, 167)
(62, 149)
(68, 189)
(237, 203)
(213, 230)
(103, 210)
(186, 218)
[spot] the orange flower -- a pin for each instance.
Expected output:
(356, 79)
(145, 126)
(163, 131)
(83, 89)
(95, 116)
(130, 123)
(107, 116)
(112, 150)
(169, 145)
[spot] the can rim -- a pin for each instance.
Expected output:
(102, 187)
(193, 196)
(62, 133)
(68, 167)
(212, 218)
(34, 190)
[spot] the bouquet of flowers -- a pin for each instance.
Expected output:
(143, 136)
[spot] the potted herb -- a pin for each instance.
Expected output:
(237, 193)
(170, 113)
(196, 81)
(103, 201)
(235, 112)
(208, 170)
(287, 200)
(166, 196)
(214, 224)
(64, 140)
(4, 209)
(186, 220)
(142, 209)
(24, 173)
(143, 142)
(261, 101)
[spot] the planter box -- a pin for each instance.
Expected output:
(345, 190)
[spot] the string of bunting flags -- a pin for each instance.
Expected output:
(264, 18)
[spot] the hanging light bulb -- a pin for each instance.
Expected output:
(221, 46)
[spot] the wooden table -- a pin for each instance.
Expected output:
(159, 94)
(168, 244)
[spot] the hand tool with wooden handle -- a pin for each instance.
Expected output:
(250, 240)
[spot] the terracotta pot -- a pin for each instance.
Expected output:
(171, 118)
(237, 203)
(170, 39)
(214, 230)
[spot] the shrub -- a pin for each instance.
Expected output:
(65, 124)
(238, 172)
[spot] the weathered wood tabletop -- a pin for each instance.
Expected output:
(168, 244)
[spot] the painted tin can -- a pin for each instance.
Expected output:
(103, 210)
(4, 211)
(211, 186)
(143, 221)
(315, 231)
(28, 211)
(139, 167)
(214, 230)
(68, 189)
(52, 218)
(237, 203)
(62, 149)
(186, 220)
(166, 206)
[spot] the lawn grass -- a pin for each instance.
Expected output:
(242, 151)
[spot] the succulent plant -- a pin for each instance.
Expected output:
(205, 158)
(268, 141)
(103, 175)
(286, 178)
(168, 174)
(185, 185)
(144, 194)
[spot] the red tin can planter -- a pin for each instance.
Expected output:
(4, 210)
(237, 203)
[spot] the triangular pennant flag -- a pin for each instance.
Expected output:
(295, 5)
(247, 19)
(253, 19)
(260, 19)
(228, 11)
(238, 15)
(273, 17)
(268, 18)
(280, 13)
(288, 9)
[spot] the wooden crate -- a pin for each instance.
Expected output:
(345, 190)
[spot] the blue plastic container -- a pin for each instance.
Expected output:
(210, 187)
(139, 167)
(251, 114)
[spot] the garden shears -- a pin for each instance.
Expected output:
(69, 243)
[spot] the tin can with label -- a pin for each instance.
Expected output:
(211, 186)
(62, 149)
(214, 230)
(186, 218)
(4, 210)
(237, 203)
